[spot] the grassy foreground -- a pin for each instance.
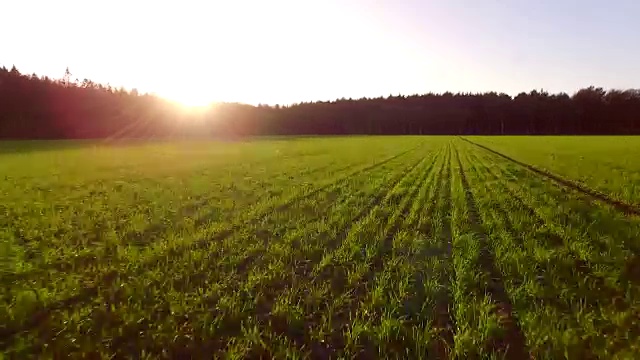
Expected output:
(369, 247)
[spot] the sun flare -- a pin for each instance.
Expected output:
(276, 52)
(190, 99)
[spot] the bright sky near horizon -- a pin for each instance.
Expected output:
(285, 51)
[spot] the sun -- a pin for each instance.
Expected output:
(191, 99)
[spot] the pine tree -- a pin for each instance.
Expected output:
(66, 79)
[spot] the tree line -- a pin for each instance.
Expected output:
(33, 107)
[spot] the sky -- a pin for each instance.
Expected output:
(288, 51)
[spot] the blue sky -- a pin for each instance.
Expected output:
(285, 51)
(518, 45)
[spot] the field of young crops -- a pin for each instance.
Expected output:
(369, 247)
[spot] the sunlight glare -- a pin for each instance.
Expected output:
(250, 51)
(279, 52)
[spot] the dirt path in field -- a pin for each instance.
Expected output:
(596, 195)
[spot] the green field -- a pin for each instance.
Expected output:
(392, 247)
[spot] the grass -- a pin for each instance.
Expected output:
(604, 163)
(394, 247)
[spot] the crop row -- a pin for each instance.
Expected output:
(563, 257)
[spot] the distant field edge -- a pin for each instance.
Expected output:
(619, 205)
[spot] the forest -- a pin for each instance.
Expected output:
(38, 107)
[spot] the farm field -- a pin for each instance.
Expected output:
(369, 247)
(608, 164)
